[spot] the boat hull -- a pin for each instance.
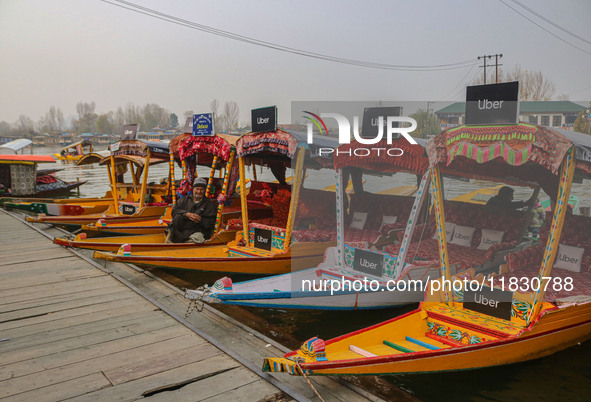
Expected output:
(138, 243)
(78, 220)
(555, 330)
(216, 259)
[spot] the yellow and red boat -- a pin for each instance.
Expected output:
(75, 151)
(273, 220)
(217, 152)
(130, 201)
(474, 322)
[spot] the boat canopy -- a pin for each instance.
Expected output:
(26, 159)
(13, 147)
(413, 159)
(83, 143)
(205, 147)
(511, 154)
(93, 157)
(158, 150)
(282, 144)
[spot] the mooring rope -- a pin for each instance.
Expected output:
(309, 383)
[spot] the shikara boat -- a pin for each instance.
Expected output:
(271, 206)
(19, 176)
(75, 151)
(130, 200)
(218, 153)
(468, 325)
(308, 288)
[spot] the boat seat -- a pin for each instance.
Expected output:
(467, 327)
(243, 251)
(361, 352)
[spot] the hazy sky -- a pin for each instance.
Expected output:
(60, 52)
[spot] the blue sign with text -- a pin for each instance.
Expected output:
(203, 124)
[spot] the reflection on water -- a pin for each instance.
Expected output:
(563, 376)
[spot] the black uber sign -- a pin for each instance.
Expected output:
(493, 103)
(496, 303)
(130, 132)
(128, 209)
(368, 262)
(370, 126)
(264, 119)
(263, 238)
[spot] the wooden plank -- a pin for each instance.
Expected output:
(118, 294)
(102, 362)
(62, 289)
(27, 306)
(87, 353)
(135, 389)
(257, 390)
(63, 390)
(46, 254)
(160, 363)
(44, 289)
(26, 266)
(101, 310)
(75, 341)
(74, 274)
(23, 341)
(209, 387)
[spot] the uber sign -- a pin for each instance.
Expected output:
(128, 209)
(368, 262)
(496, 303)
(263, 238)
(264, 119)
(371, 115)
(493, 104)
(130, 132)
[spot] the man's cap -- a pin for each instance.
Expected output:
(199, 182)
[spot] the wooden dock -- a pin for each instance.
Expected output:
(71, 328)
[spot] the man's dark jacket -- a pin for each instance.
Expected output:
(182, 227)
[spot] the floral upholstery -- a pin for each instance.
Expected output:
(465, 214)
(576, 232)
(318, 203)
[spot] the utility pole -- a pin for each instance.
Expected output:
(497, 57)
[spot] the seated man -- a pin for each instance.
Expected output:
(504, 200)
(193, 216)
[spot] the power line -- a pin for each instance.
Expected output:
(462, 81)
(551, 22)
(230, 35)
(541, 27)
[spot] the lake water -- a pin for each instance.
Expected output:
(563, 376)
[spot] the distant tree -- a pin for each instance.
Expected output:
(427, 124)
(53, 121)
(86, 118)
(25, 127)
(230, 116)
(153, 115)
(105, 124)
(5, 128)
(582, 124)
(214, 105)
(533, 86)
(173, 121)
